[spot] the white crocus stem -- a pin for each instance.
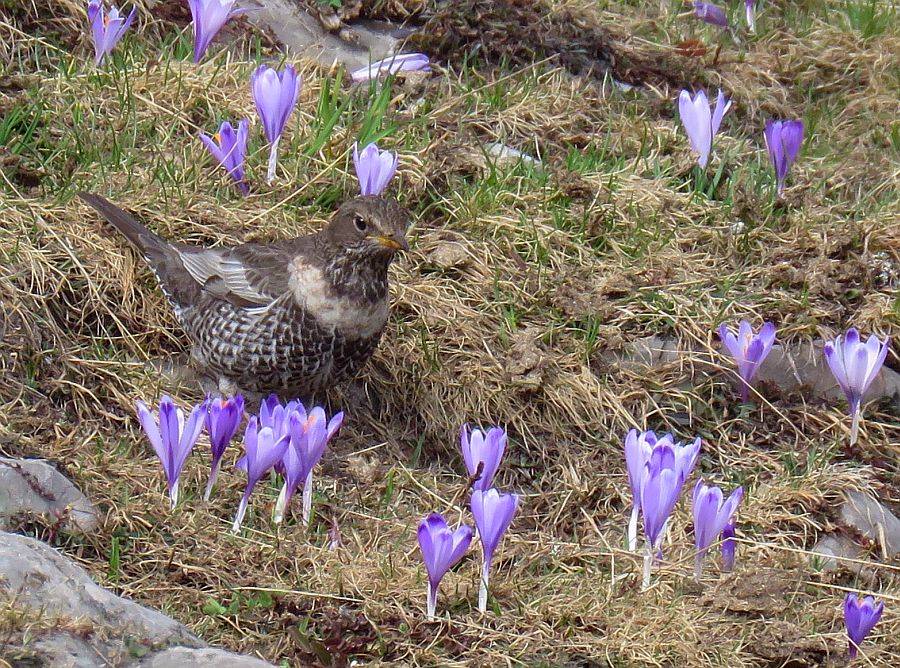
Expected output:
(213, 474)
(632, 529)
(242, 510)
(307, 498)
(698, 564)
(273, 160)
(174, 495)
(483, 591)
(431, 603)
(648, 566)
(854, 428)
(280, 505)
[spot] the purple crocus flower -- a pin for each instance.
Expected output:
(860, 617)
(107, 28)
(263, 450)
(441, 550)
(275, 96)
(700, 124)
(309, 436)
(493, 513)
(208, 18)
(729, 546)
(748, 350)
(710, 13)
(401, 62)
(783, 141)
(661, 484)
(639, 447)
(711, 516)
(750, 14)
(855, 365)
(229, 148)
(173, 439)
(482, 454)
(274, 414)
(374, 168)
(222, 422)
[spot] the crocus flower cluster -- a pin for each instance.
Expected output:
(283, 437)
(492, 511)
(107, 28)
(657, 469)
(860, 617)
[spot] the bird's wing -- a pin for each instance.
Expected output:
(247, 276)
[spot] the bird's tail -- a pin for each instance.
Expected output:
(146, 242)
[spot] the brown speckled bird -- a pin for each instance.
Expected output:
(293, 316)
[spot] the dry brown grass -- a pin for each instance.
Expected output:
(500, 334)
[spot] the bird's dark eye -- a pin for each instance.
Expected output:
(360, 223)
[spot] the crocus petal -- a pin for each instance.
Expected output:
(722, 106)
(493, 512)
(151, 430)
(374, 168)
(275, 96)
(710, 13)
(208, 18)
(696, 119)
(485, 451)
(392, 65)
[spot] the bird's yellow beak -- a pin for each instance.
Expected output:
(391, 242)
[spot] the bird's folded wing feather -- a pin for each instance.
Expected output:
(247, 276)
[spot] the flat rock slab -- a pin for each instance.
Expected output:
(71, 621)
(34, 487)
(866, 514)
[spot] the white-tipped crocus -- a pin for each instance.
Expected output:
(661, 483)
(783, 141)
(482, 454)
(374, 168)
(229, 148)
(701, 124)
(275, 96)
(711, 516)
(493, 513)
(401, 62)
(309, 436)
(107, 28)
(222, 423)
(639, 447)
(441, 550)
(748, 350)
(855, 365)
(208, 18)
(173, 439)
(263, 450)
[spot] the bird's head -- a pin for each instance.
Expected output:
(369, 227)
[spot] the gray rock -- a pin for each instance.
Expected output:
(833, 550)
(72, 622)
(184, 657)
(34, 486)
(865, 514)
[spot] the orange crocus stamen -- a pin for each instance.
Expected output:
(106, 21)
(218, 138)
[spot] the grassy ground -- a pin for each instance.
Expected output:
(519, 282)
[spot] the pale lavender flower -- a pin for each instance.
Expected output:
(222, 423)
(710, 13)
(275, 96)
(860, 617)
(208, 18)
(401, 62)
(783, 141)
(482, 454)
(173, 439)
(750, 14)
(639, 447)
(493, 513)
(748, 350)
(263, 451)
(274, 414)
(711, 516)
(661, 484)
(309, 436)
(700, 124)
(229, 148)
(374, 168)
(729, 547)
(441, 550)
(855, 365)
(107, 28)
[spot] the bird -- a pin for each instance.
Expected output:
(293, 317)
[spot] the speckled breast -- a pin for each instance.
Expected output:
(280, 348)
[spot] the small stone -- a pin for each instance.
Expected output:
(867, 515)
(449, 255)
(832, 550)
(33, 487)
